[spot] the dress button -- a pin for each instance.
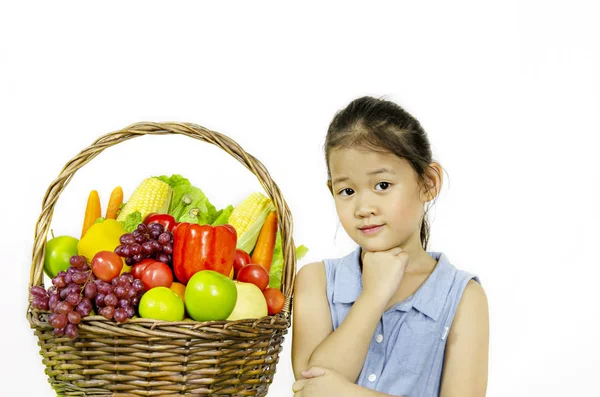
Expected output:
(379, 338)
(372, 377)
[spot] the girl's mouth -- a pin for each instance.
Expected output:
(371, 229)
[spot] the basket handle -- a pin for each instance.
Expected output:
(193, 131)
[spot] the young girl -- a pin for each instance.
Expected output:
(389, 318)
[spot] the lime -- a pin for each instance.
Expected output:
(161, 303)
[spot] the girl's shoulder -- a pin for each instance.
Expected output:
(311, 270)
(322, 269)
(310, 277)
(321, 276)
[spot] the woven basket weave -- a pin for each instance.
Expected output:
(143, 357)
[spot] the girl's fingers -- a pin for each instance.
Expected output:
(298, 386)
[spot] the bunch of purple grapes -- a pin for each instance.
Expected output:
(147, 241)
(69, 298)
(76, 292)
(119, 298)
(41, 299)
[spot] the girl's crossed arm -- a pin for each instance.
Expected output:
(322, 382)
(345, 349)
(315, 343)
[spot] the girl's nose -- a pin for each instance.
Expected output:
(364, 208)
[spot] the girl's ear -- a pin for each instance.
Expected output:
(433, 182)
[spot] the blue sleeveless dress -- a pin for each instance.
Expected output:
(406, 354)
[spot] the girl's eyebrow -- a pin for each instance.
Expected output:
(340, 179)
(381, 171)
(376, 172)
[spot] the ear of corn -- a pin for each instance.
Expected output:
(248, 217)
(152, 195)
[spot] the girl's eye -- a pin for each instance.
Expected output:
(384, 185)
(348, 192)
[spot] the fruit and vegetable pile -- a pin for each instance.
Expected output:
(165, 254)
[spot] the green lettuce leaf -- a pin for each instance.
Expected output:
(132, 221)
(276, 272)
(301, 252)
(222, 216)
(189, 204)
(99, 220)
(174, 180)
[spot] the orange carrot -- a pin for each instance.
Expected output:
(114, 203)
(92, 211)
(263, 251)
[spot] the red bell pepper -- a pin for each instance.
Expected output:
(202, 247)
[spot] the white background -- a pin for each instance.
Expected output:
(508, 92)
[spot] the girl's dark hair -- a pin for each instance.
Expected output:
(383, 126)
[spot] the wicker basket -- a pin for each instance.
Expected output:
(143, 357)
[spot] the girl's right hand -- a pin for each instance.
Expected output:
(383, 272)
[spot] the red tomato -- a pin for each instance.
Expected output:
(164, 219)
(255, 274)
(240, 260)
(106, 265)
(138, 269)
(275, 300)
(157, 274)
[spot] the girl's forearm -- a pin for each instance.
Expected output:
(346, 348)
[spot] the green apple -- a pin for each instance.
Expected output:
(210, 296)
(161, 303)
(59, 251)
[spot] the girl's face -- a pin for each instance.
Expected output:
(377, 198)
